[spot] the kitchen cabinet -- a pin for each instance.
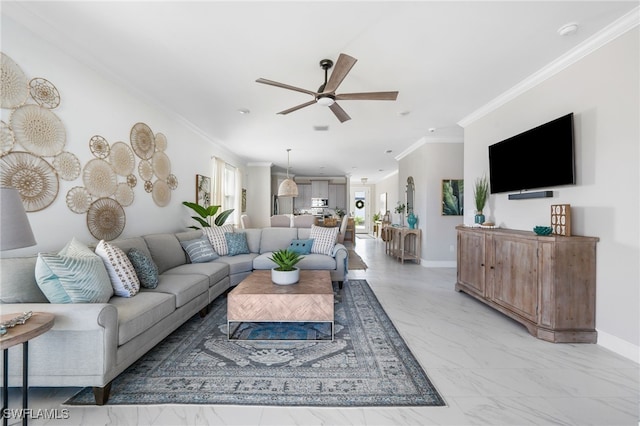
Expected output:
(547, 283)
(337, 196)
(319, 189)
(303, 200)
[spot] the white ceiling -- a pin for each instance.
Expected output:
(200, 60)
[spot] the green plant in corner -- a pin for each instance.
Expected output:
(206, 213)
(285, 259)
(481, 193)
(400, 207)
(376, 217)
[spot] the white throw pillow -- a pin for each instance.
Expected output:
(324, 239)
(123, 275)
(217, 239)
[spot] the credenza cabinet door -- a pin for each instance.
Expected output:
(514, 280)
(472, 261)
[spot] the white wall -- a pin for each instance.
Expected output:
(602, 90)
(429, 164)
(92, 105)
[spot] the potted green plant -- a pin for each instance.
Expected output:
(286, 272)
(206, 213)
(400, 207)
(480, 195)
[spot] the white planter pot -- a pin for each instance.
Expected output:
(285, 277)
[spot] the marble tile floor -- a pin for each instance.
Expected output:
(488, 369)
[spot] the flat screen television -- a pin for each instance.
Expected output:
(541, 157)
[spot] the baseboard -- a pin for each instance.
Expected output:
(438, 263)
(619, 346)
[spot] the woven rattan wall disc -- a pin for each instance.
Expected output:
(99, 178)
(33, 177)
(13, 83)
(38, 130)
(142, 141)
(106, 219)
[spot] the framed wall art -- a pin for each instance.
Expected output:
(203, 190)
(452, 197)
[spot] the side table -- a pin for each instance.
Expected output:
(39, 323)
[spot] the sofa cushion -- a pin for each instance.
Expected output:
(165, 250)
(273, 239)
(236, 243)
(217, 238)
(18, 282)
(215, 271)
(185, 287)
(136, 315)
(199, 250)
(74, 275)
(127, 244)
(121, 272)
(324, 239)
(239, 263)
(253, 238)
(317, 261)
(146, 269)
(301, 246)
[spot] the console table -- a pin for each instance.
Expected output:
(546, 283)
(403, 243)
(39, 323)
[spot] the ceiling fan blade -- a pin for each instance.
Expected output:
(339, 112)
(340, 71)
(285, 86)
(295, 108)
(368, 96)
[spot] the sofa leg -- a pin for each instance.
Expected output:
(101, 395)
(340, 285)
(204, 311)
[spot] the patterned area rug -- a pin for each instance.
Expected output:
(367, 364)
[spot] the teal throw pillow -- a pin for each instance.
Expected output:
(199, 250)
(301, 246)
(145, 268)
(74, 275)
(236, 243)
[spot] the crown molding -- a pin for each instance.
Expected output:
(593, 43)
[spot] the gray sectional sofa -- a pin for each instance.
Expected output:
(92, 343)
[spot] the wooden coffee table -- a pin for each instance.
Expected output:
(257, 299)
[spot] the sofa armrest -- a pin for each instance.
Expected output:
(83, 342)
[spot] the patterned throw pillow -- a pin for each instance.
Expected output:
(301, 246)
(146, 269)
(199, 250)
(324, 239)
(74, 275)
(123, 276)
(237, 243)
(217, 238)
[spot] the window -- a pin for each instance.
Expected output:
(226, 188)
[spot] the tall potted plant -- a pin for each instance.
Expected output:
(480, 195)
(206, 213)
(286, 272)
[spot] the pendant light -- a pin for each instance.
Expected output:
(288, 187)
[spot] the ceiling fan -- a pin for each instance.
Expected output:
(326, 94)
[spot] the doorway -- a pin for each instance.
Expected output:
(361, 208)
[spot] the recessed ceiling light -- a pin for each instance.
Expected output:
(403, 113)
(389, 151)
(568, 29)
(243, 111)
(321, 128)
(432, 130)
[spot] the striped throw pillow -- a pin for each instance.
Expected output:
(217, 239)
(324, 239)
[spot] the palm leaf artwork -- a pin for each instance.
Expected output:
(206, 213)
(452, 197)
(285, 259)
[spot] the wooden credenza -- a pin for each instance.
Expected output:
(547, 283)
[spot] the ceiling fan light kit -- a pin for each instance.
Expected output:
(326, 94)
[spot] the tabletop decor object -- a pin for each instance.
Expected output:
(542, 230)
(561, 219)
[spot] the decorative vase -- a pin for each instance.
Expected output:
(411, 220)
(479, 218)
(285, 277)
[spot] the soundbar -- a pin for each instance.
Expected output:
(527, 195)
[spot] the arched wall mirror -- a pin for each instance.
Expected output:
(410, 194)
